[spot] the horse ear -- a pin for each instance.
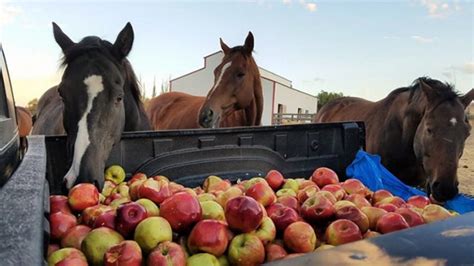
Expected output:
(249, 43)
(467, 98)
(224, 46)
(427, 90)
(123, 43)
(61, 38)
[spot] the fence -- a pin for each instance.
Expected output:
(285, 119)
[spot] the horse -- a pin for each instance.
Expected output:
(419, 131)
(235, 98)
(24, 121)
(97, 99)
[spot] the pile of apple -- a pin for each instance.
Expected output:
(153, 221)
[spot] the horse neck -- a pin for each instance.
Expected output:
(135, 116)
(253, 112)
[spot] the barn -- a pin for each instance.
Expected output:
(282, 102)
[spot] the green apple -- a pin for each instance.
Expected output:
(122, 189)
(117, 202)
(246, 249)
(227, 195)
(286, 192)
(214, 183)
(291, 184)
(152, 231)
(212, 210)
(253, 181)
(109, 186)
(150, 207)
(64, 253)
(115, 173)
(206, 196)
(97, 242)
(202, 259)
(223, 260)
(266, 232)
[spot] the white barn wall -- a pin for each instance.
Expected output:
(267, 87)
(293, 100)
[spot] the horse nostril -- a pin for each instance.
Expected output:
(210, 113)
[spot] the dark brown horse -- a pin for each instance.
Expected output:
(419, 131)
(234, 100)
(98, 98)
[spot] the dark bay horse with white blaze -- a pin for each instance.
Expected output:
(235, 98)
(98, 98)
(419, 131)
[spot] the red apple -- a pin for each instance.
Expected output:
(336, 189)
(358, 200)
(274, 179)
(282, 216)
(246, 249)
(82, 196)
(306, 193)
(380, 195)
(374, 214)
(343, 203)
(275, 252)
(419, 201)
(412, 217)
(354, 214)
(135, 188)
(300, 237)
(161, 178)
(60, 222)
(354, 186)
(317, 208)
(327, 195)
(127, 253)
(342, 231)
(74, 236)
(182, 211)
(243, 214)
(175, 187)
(167, 254)
(324, 176)
(128, 217)
(262, 193)
(52, 248)
(209, 236)
(137, 177)
(390, 222)
(58, 203)
(289, 201)
(156, 191)
(72, 262)
(214, 183)
(306, 183)
(90, 214)
(105, 219)
(434, 212)
(397, 201)
(389, 207)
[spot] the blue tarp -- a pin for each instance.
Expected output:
(370, 171)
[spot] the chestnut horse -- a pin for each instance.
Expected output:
(24, 120)
(234, 100)
(98, 98)
(419, 131)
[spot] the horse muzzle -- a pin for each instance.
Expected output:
(443, 191)
(208, 118)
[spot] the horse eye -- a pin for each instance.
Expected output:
(119, 98)
(240, 75)
(429, 131)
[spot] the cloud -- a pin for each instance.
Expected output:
(468, 68)
(421, 39)
(311, 6)
(8, 13)
(440, 8)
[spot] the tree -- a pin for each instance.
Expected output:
(153, 95)
(324, 97)
(165, 85)
(32, 105)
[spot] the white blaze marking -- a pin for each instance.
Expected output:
(94, 87)
(453, 121)
(223, 69)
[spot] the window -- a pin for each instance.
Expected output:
(281, 108)
(3, 98)
(306, 111)
(300, 111)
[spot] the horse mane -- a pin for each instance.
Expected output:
(92, 45)
(445, 91)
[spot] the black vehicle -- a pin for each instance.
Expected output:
(188, 157)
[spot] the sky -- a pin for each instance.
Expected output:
(359, 48)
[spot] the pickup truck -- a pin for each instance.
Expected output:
(187, 157)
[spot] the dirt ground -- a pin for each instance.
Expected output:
(466, 167)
